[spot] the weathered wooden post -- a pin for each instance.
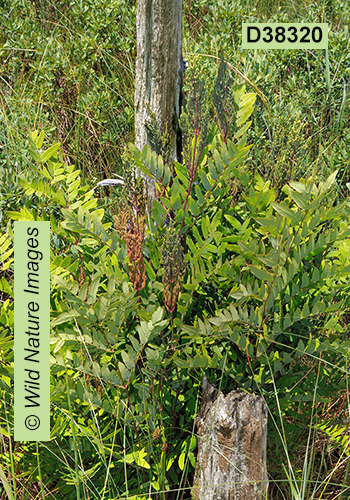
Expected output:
(158, 70)
(232, 434)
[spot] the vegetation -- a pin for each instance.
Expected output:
(241, 272)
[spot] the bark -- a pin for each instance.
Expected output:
(158, 69)
(232, 434)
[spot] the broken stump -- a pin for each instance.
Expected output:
(232, 435)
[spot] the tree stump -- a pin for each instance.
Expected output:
(232, 435)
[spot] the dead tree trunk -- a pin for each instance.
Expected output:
(158, 70)
(232, 434)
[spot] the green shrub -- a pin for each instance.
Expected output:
(249, 290)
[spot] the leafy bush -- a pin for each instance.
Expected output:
(245, 288)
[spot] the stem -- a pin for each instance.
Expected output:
(76, 482)
(39, 471)
(186, 200)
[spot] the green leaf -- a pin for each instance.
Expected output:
(150, 273)
(212, 170)
(35, 155)
(260, 273)
(98, 227)
(200, 197)
(205, 224)
(246, 106)
(40, 139)
(283, 210)
(59, 197)
(167, 175)
(193, 206)
(144, 332)
(181, 363)
(218, 162)
(200, 361)
(233, 221)
(153, 165)
(205, 182)
(6, 485)
(305, 313)
(300, 199)
(158, 211)
(74, 185)
(24, 214)
(160, 168)
(242, 130)
(329, 182)
(93, 290)
(124, 372)
(33, 136)
(137, 457)
(127, 360)
(65, 317)
(297, 186)
(182, 175)
(46, 155)
(157, 316)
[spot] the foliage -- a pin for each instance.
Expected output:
(232, 276)
(66, 67)
(306, 85)
(288, 152)
(237, 284)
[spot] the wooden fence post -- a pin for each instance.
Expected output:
(159, 71)
(232, 434)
